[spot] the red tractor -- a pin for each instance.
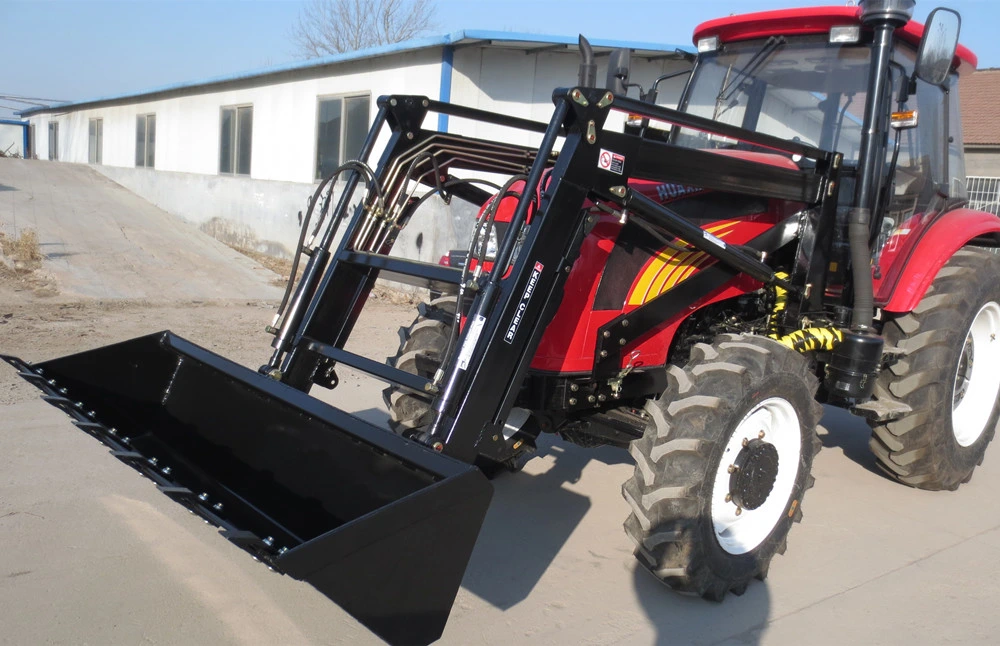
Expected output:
(797, 235)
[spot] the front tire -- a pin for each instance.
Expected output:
(421, 349)
(949, 376)
(723, 465)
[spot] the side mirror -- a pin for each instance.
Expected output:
(937, 47)
(618, 70)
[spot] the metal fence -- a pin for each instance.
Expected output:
(984, 194)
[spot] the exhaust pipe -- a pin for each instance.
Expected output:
(588, 66)
(381, 525)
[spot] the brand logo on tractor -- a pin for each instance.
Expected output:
(672, 191)
(529, 289)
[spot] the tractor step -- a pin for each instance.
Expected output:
(881, 410)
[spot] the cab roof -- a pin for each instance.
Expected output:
(808, 20)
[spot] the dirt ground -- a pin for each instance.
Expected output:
(39, 328)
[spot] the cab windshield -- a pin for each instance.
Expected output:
(805, 89)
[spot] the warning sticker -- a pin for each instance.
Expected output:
(611, 162)
(471, 337)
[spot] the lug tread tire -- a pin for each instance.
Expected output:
(669, 494)
(421, 346)
(920, 449)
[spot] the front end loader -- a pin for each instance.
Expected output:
(690, 287)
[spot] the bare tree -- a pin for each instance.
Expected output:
(333, 26)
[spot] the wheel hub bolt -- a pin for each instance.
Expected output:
(733, 468)
(739, 510)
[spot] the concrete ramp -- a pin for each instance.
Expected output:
(102, 241)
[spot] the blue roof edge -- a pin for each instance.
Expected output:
(452, 38)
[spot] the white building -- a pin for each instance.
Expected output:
(13, 137)
(248, 148)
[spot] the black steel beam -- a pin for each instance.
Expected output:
(376, 369)
(485, 116)
(697, 237)
(651, 111)
(654, 160)
(402, 270)
(515, 311)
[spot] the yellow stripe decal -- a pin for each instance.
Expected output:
(670, 268)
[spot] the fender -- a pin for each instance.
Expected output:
(946, 235)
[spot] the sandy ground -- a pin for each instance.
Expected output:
(103, 242)
(91, 553)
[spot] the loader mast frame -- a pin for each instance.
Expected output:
(509, 314)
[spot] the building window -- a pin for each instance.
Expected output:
(96, 141)
(53, 141)
(343, 126)
(145, 140)
(236, 129)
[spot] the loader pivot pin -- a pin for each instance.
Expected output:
(753, 478)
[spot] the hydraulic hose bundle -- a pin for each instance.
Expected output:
(856, 357)
(805, 340)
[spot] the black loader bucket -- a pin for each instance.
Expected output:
(381, 525)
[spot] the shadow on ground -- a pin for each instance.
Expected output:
(529, 521)
(850, 434)
(683, 619)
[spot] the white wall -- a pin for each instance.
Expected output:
(186, 180)
(12, 139)
(284, 119)
(509, 82)
(982, 161)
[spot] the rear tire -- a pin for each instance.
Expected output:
(949, 376)
(684, 522)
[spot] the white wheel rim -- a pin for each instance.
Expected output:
(977, 377)
(738, 533)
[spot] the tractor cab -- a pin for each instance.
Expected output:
(812, 76)
(805, 75)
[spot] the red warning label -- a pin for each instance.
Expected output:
(611, 162)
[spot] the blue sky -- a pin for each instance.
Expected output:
(79, 49)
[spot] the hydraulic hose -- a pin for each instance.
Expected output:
(805, 340)
(780, 302)
(812, 338)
